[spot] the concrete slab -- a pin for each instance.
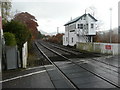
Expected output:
(68, 71)
(84, 80)
(39, 80)
(58, 80)
(14, 73)
(111, 76)
(79, 75)
(62, 84)
(72, 66)
(113, 60)
(96, 85)
(55, 75)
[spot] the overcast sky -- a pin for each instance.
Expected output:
(51, 14)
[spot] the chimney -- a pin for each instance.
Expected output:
(71, 19)
(85, 11)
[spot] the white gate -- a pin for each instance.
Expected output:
(24, 55)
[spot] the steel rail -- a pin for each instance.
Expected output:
(93, 59)
(103, 78)
(80, 53)
(60, 71)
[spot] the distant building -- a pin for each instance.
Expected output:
(80, 29)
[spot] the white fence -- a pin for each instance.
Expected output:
(24, 55)
(0, 49)
(105, 48)
(0, 59)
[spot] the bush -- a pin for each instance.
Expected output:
(21, 32)
(9, 39)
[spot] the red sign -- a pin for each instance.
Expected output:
(108, 47)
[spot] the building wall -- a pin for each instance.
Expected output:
(89, 21)
(91, 31)
(69, 34)
(79, 34)
(105, 48)
(72, 38)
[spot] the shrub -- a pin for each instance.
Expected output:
(9, 39)
(20, 31)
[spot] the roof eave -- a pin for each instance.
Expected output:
(71, 22)
(92, 17)
(79, 18)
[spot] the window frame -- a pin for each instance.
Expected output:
(92, 25)
(72, 39)
(66, 39)
(80, 26)
(87, 25)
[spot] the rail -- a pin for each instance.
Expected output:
(62, 73)
(103, 78)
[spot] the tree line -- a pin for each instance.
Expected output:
(58, 38)
(19, 29)
(104, 36)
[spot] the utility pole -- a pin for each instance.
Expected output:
(57, 30)
(118, 19)
(1, 34)
(85, 11)
(71, 18)
(68, 35)
(110, 24)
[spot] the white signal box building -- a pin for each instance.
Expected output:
(80, 29)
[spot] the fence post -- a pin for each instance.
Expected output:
(118, 35)
(1, 34)
(24, 55)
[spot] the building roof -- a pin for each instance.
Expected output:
(77, 18)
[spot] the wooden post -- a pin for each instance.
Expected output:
(1, 34)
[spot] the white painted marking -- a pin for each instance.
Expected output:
(48, 65)
(30, 74)
(26, 75)
(34, 68)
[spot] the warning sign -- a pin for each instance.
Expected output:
(108, 47)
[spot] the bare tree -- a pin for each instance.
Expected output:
(93, 11)
(5, 8)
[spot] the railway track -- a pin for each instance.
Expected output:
(60, 71)
(102, 63)
(111, 70)
(75, 52)
(96, 76)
